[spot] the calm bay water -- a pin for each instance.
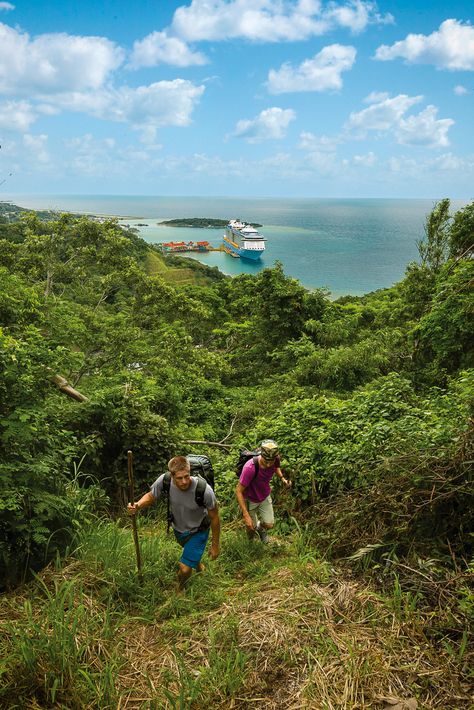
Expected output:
(350, 246)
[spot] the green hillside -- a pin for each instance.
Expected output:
(365, 596)
(179, 270)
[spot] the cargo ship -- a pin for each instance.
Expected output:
(242, 240)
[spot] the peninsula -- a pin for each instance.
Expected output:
(12, 213)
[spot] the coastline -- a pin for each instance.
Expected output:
(347, 246)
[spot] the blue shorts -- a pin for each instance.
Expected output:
(194, 548)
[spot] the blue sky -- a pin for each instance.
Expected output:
(295, 98)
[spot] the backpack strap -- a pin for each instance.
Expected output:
(200, 490)
(256, 467)
(166, 483)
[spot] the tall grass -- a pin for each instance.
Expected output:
(57, 653)
(275, 622)
(209, 683)
(107, 552)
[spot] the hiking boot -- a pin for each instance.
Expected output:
(262, 533)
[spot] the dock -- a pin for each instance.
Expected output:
(184, 247)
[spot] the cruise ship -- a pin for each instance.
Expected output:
(242, 240)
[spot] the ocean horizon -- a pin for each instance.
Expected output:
(348, 246)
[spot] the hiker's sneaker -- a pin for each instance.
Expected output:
(262, 533)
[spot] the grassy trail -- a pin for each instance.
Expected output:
(263, 627)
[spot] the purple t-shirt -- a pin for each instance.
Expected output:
(257, 487)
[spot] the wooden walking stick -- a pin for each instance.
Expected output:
(131, 499)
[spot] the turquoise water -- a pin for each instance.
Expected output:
(349, 246)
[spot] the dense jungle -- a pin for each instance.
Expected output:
(365, 596)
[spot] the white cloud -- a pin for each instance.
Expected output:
(270, 124)
(160, 48)
(448, 161)
(36, 147)
(268, 21)
(451, 47)
(16, 116)
(323, 163)
(71, 73)
(387, 115)
(92, 157)
(164, 103)
(460, 90)
(145, 108)
(320, 153)
(321, 73)
(6, 6)
(54, 63)
(376, 96)
(357, 15)
(324, 144)
(147, 133)
(424, 129)
(59, 72)
(367, 161)
(88, 144)
(159, 104)
(47, 109)
(445, 163)
(383, 114)
(404, 165)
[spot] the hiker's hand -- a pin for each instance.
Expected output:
(249, 523)
(214, 552)
(132, 509)
(286, 482)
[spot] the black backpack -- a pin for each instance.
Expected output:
(201, 467)
(244, 456)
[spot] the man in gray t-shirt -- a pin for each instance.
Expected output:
(191, 521)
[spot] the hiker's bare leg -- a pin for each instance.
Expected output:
(184, 573)
(200, 567)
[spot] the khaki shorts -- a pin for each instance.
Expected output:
(262, 510)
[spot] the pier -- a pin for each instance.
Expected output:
(183, 247)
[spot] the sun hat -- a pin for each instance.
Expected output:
(269, 449)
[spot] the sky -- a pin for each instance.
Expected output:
(260, 98)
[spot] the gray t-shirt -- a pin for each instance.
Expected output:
(187, 514)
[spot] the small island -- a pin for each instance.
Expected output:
(197, 223)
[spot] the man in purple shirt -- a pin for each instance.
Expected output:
(253, 490)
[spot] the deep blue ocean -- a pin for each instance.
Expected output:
(349, 246)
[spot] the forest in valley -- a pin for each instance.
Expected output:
(365, 600)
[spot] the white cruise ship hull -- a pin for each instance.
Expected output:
(243, 241)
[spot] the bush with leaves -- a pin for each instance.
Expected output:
(445, 335)
(35, 449)
(345, 367)
(330, 444)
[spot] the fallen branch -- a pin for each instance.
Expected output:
(65, 387)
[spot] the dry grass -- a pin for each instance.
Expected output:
(295, 639)
(309, 645)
